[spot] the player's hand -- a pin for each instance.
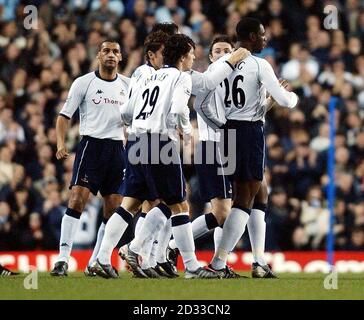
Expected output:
(238, 55)
(187, 138)
(284, 83)
(62, 153)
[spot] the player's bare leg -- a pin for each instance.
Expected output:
(76, 204)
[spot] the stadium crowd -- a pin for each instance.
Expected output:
(39, 65)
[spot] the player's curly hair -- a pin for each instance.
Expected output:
(154, 41)
(176, 47)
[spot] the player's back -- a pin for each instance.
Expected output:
(242, 93)
(154, 100)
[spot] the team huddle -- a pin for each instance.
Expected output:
(129, 153)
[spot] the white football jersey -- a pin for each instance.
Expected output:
(202, 83)
(144, 70)
(157, 100)
(243, 94)
(100, 103)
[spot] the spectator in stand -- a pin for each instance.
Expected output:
(357, 239)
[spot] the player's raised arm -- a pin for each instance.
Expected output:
(268, 78)
(217, 72)
(74, 99)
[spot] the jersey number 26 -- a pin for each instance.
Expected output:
(237, 94)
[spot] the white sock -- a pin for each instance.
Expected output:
(153, 223)
(145, 253)
(200, 226)
(153, 251)
(100, 236)
(139, 224)
(234, 228)
(203, 224)
(182, 233)
(114, 230)
(256, 228)
(163, 240)
(217, 237)
(69, 228)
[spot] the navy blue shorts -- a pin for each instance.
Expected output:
(250, 147)
(212, 184)
(153, 179)
(99, 165)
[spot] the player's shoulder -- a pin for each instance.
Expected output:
(173, 72)
(144, 69)
(124, 79)
(84, 81)
(261, 62)
(85, 78)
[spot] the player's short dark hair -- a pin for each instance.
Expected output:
(169, 28)
(222, 38)
(176, 47)
(109, 40)
(154, 41)
(246, 26)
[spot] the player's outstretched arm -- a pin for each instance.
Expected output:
(270, 102)
(217, 72)
(238, 55)
(268, 78)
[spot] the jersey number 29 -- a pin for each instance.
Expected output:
(150, 101)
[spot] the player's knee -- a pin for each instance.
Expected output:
(149, 205)
(77, 202)
(184, 206)
(221, 211)
(107, 214)
(179, 207)
(244, 203)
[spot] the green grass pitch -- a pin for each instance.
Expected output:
(288, 286)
